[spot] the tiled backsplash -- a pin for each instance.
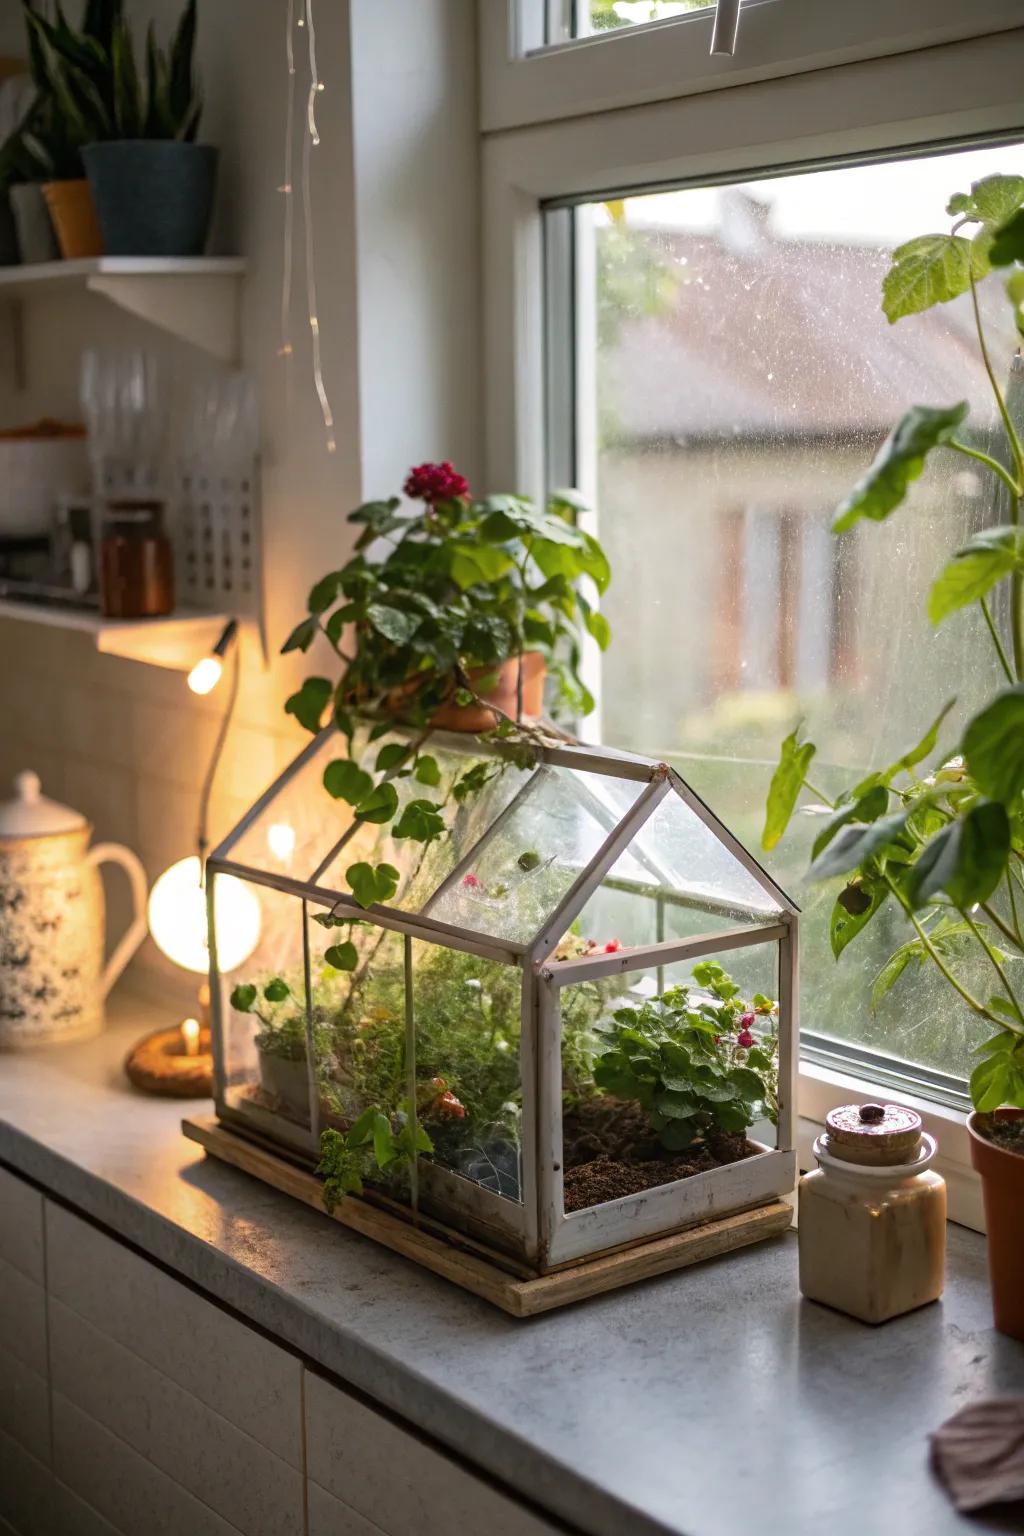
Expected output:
(128, 745)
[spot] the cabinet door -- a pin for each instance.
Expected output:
(389, 1477)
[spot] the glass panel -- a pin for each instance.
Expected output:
(467, 1013)
(525, 869)
(264, 1036)
(736, 376)
(423, 867)
(292, 834)
(667, 1073)
(589, 16)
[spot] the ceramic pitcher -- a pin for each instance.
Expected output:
(53, 980)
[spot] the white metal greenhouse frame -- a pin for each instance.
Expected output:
(536, 1229)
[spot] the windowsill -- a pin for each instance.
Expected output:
(821, 1088)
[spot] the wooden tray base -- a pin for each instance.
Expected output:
(454, 1261)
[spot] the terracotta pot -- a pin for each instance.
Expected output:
(1002, 1183)
(74, 218)
(472, 717)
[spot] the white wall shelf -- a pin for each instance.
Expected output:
(176, 641)
(194, 298)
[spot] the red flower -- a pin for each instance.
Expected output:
(747, 1020)
(472, 882)
(613, 946)
(745, 1039)
(436, 482)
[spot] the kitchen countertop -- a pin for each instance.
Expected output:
(710, 1402)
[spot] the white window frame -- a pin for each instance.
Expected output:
(523, 80)
(902, 103)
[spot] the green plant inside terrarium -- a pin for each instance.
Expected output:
(655, 1087)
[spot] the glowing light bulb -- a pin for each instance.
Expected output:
(177, 918)
(281, 840)
(206, 674)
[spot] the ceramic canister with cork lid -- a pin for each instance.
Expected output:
(872, 1223)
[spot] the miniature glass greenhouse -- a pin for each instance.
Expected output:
(570, 1028)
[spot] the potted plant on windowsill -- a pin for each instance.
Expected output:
(947, 847)
(134, 130)
(448, 617)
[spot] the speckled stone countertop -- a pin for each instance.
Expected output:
(709, 1403)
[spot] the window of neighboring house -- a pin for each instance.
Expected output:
(731, 376)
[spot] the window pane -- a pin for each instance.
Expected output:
(735, 376)
(611, 15)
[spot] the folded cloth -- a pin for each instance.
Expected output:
(979, 1453)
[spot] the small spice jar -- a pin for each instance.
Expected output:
(872, 1224)
(136, 561)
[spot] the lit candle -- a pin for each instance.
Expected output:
(190, 1035)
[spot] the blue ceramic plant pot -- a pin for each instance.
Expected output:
(153, 196)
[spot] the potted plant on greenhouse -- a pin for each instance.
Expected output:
(448, 617)
(132, 130)
(947, 847)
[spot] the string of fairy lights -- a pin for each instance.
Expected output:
(310, 141)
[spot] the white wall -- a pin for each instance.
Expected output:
(417, 235)
(396, 229)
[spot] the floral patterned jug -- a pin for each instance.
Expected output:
(53, 980)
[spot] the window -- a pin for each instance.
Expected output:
(681, 316)
(548, 59)
(584, 18)
(734, 376)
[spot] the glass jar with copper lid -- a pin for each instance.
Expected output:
(872, 1222)
(136, 561)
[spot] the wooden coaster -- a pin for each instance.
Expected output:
(157, 1064)
(467, 1264)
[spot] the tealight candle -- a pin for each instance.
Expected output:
(190, 1035)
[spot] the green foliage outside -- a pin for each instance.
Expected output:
(944, 849)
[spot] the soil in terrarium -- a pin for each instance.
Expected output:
(611, 1150)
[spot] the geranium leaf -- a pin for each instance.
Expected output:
(310, 702)
(345, 780)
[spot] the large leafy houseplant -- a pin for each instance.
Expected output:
(946, 847)
(431, 605)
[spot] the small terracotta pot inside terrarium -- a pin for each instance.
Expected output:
(74, 218)
(504, 695)
(1002, 1183)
